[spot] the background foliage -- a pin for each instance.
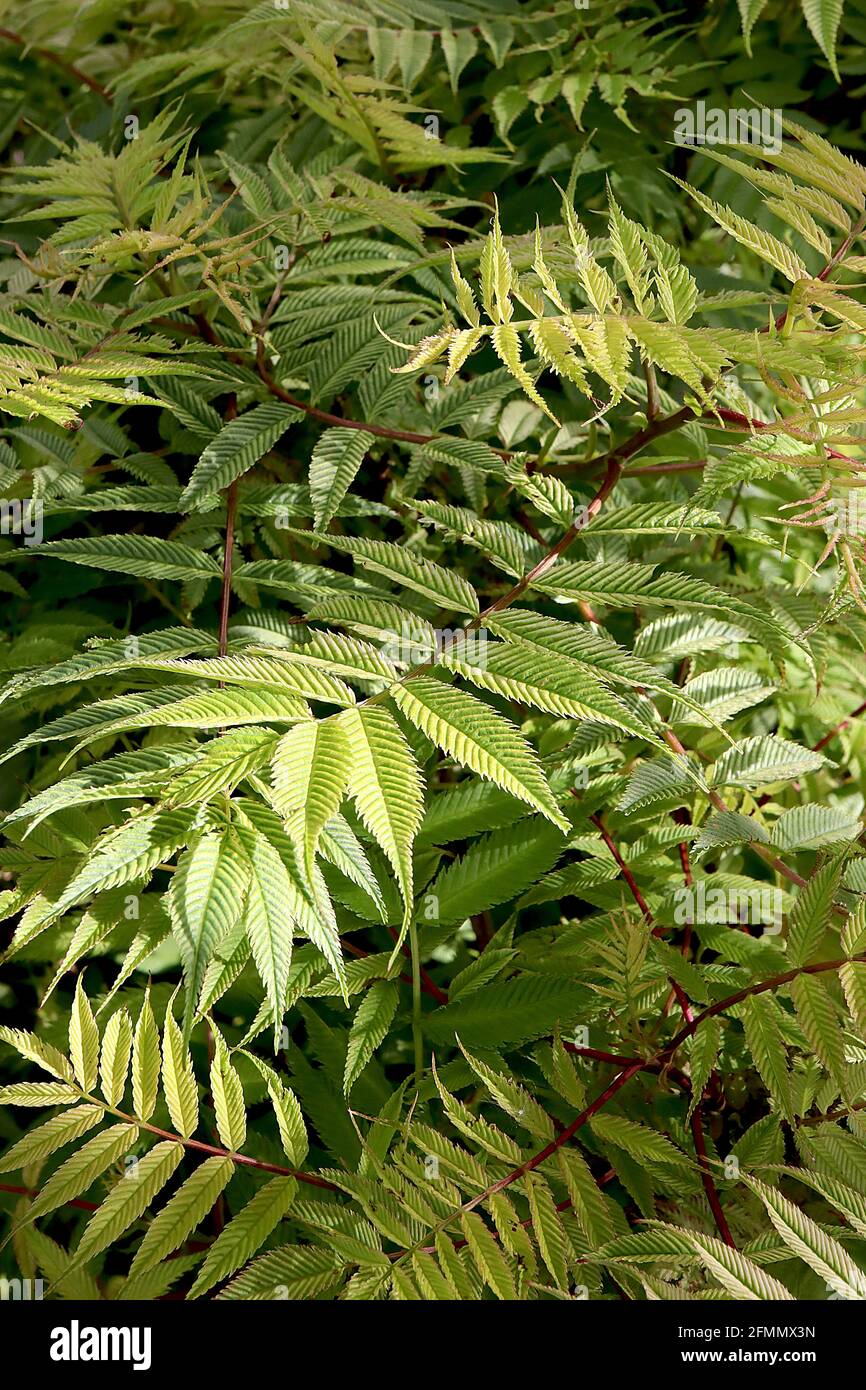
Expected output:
(433, 766)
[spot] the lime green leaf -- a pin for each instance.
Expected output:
(178, 1079)
(764, 759)
(182, 1213)
(547, 1226)
(804, 1238)
(228, 1097)
(39, 1093)
(47, 1138)
(369, 1026)
(385, 785)
(268, 928)
(35, 1050)
(478, 737)
(737, 1274)
(245, 1233)
(290, 1121)
(83, 1039)
(768, 1049)
(491, 1262)
(205, 899)
(128, 1199)
(82, 1169)
(312, 766)
(115, 1055)
(146, 1062)
(290, 1272)
(823, 18)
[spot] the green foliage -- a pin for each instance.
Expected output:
(432, 677)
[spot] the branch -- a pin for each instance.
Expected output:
(731, 999)
(653, 408)
(613, 473)
(594, 1054)
(325, 416)
(612, 476)
(312, 1178)
(760, 849)
(838, 255)
(549, 1149)
(837, 728)
(746, 422)
(712, 1192)
(633, 1068)
(51, 57)
(657, 469)
(34, 1192)
(656, 428)
(830, 1116)
(623, 868)
(682, 999)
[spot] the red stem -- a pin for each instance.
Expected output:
(731, 999)
(586, 1114)
(623, 868)
(707, 1179)
(688, 1014)
(837, 728)
(662, 1056)
(745, 422)
(52, 57)
(34, 1192)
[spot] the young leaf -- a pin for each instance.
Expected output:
(228, 1097)
(81, 1169)
(478, 737)
(245, 1233)
(83, 1039)
(805, 1238)
(386, 787)
(205, 899)
(312, 766)
(736, 1273)
(269, 931)
(128, 1199)
(115, 1055)
(146, 1062)
(182, 1213)
(178, 1078)
(369, 1026)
